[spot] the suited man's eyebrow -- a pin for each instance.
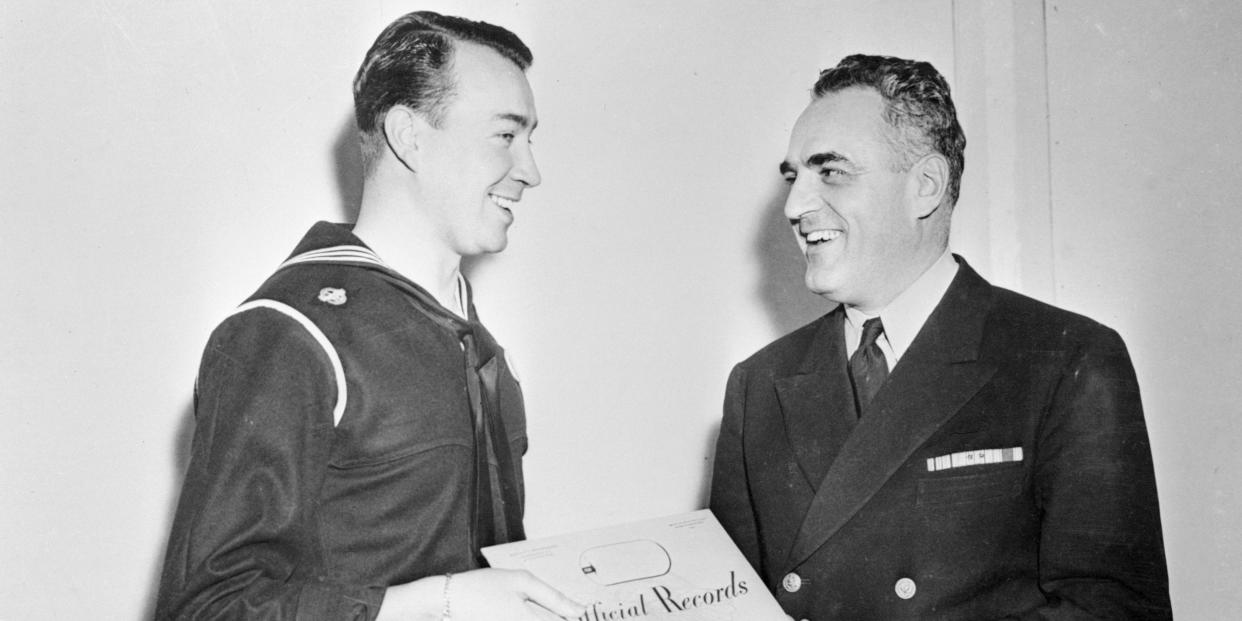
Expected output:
(819, 159)
(829, 157)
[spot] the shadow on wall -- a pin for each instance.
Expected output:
(181, 461)
(709, 466)
(781, 290)
(348, 164)
(781, 287)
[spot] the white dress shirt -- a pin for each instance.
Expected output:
(906, 314)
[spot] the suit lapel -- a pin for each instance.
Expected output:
(934, 379)
(817, 401)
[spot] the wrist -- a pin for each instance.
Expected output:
(421, 600)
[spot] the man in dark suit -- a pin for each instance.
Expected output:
(934, 447)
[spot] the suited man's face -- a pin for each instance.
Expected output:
(854, 212)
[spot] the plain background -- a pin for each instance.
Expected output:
(158, 159)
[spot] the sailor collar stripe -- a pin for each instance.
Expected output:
(338, 369)
(337, 254)
(362, 254)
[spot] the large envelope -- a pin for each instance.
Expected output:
(681, 567)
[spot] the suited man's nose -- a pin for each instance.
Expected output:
(799, 203)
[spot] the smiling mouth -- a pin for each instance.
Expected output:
(506, 204)
(821, 236)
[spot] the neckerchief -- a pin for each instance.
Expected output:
(493, 522)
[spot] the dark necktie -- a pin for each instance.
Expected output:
(868, 369)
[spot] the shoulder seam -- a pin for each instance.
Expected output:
(338, 370)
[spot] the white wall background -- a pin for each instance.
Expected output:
(157, 159)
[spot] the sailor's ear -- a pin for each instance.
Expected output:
(406, 131)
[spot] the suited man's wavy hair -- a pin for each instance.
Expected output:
(917, 107)
(410, 64)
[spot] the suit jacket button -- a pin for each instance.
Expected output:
(792, 582)
(905, 588)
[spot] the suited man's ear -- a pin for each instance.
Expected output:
(405, 130)
(931, 183)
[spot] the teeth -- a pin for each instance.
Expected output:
(815, 237)
(502, 201)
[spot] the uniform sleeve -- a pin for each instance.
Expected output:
(730, 492)
(244, 542)
(1101, 549)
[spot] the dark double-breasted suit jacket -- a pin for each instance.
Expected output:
(908, 513)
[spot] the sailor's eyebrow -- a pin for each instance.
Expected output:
(521, 119)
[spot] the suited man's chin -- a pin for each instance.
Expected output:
(824, 287)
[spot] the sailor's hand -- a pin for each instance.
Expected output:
(479, 595)
(490, 594)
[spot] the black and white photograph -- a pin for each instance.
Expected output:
(927, 307)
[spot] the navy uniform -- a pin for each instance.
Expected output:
(350, 434)
(1003, 470)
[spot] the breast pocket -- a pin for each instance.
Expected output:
(983, 484)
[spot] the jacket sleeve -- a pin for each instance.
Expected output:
(730, 490)
(244, 542)
(1101, 549)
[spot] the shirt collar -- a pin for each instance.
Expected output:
(906, 314)
(461, 298)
